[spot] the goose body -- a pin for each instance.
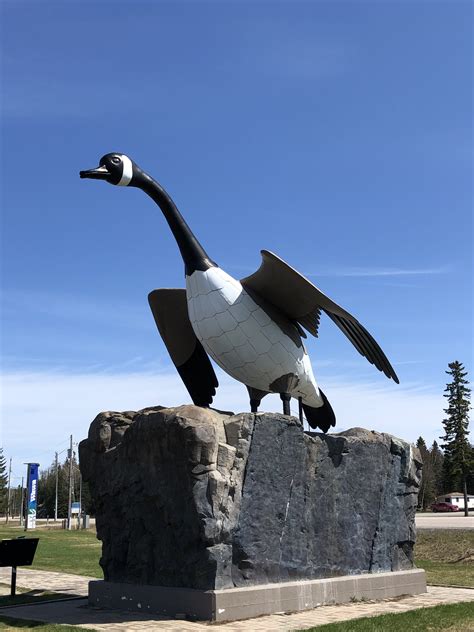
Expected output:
(252, 328)
(242, 338)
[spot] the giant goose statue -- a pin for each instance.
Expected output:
(252, 328)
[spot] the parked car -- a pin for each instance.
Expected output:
(444, 507)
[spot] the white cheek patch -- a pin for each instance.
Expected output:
(127, 172)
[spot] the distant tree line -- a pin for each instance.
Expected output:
(432, 480)
(3, 484)
(47, 490)
(46, 497)
(452, 468)
(436, 478)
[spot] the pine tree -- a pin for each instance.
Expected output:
(457, 450)
(47, 492)
(88, 506)
(437, 460)
(421, 445)
(470, 476)
(3, 483)
(47, 489)
(431, 473)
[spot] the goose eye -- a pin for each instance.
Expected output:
(116, 161)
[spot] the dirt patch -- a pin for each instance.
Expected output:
(467, 557)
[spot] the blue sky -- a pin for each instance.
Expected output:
(336, 134)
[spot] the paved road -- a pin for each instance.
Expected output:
(451, 520)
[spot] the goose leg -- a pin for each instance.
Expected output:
(256, 397)
(286, 397)
(300, 409)
(254, 404)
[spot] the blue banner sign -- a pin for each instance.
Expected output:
(32, 495)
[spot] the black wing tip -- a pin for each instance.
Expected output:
(390, 373)
(199, 377)
(322, 417)
(365, 344)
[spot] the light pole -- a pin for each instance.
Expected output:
(56, 492)
(69, 507)
(8, 496)
(22, 502)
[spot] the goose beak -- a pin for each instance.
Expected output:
(100, 173)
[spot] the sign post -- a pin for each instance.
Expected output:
(19, 552)
(32, 489)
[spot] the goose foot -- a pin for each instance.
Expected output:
(256, 397)
(254, 404)
(286, 397)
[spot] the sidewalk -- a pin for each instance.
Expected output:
(74, 585)
(76, 612)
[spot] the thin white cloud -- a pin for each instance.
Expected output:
(40, 409)
(382, 272)
(404, 362)
(354, 271)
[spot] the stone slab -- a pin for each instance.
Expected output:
(253, 601)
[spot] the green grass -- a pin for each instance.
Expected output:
(75, 552)
(457, 617)
(31, 596)
(447, 556)
(7, 624)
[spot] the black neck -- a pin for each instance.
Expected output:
(194, 255)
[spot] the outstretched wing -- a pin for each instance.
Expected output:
(300, 300)
(170, 311)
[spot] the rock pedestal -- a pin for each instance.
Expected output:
(192, 498)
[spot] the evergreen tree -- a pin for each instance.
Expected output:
(16, 501)
(470, 476)
(63, 489)
(437, 460)
(47, 492)
(457, 450)
(431, 475)
(422, 500)
(87, 502)
(3, 483)
(421, 444)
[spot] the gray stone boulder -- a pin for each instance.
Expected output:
(192, 497)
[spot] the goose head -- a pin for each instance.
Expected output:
(114, 168)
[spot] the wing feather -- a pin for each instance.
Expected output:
(301, 301)
(170, 311)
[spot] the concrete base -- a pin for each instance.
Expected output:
(244, 603)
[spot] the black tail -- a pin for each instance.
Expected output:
(323, 416)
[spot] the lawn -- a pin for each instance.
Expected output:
(457, 617)
(7, 624)
(75, 552)
(447, 556)
(24, 596)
